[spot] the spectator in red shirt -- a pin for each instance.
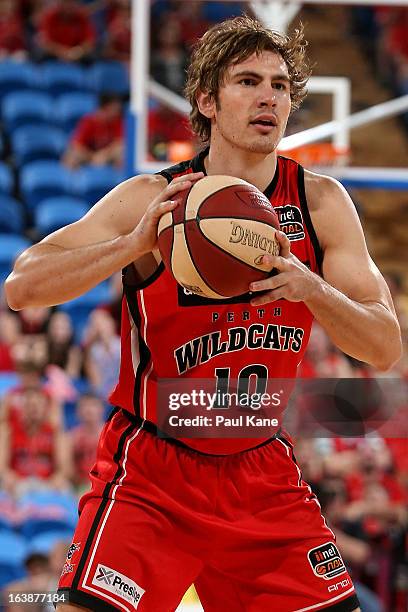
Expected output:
(66, 32)
(165, 126)
(61, 348)
(34, 320)
(10, 330)
(12, 404)
(33, 451)
(119, 36)
(12, 36)
(84, 437)
(98, 137)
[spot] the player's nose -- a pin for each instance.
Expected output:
(267, 97)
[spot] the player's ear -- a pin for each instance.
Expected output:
(206, 104)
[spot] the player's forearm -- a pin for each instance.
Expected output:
(46, 275)
(367, 331)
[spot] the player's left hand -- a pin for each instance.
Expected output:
(294, 281)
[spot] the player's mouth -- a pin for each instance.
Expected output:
(265, 123)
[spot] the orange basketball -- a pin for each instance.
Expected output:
(214, 240)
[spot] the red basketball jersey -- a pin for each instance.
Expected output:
(167, 332)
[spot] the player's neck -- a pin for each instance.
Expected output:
(258, 169)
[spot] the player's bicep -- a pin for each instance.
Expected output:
(347, 264)
(355, 275)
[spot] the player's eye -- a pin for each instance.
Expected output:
(280, 86)
(247, 82)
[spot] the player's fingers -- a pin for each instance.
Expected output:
(279, 279)
(174, 188)
(269, 296)
(284, 244)
(276, 261)
(157, 211)
(273, 282)
(194, 176)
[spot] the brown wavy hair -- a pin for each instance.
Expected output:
(233, 41)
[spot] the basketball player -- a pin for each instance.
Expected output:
(233, 516)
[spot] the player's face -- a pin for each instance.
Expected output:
(254, 104)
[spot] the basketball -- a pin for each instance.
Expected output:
(214, 240)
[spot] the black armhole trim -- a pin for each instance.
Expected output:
(86, 600)
(272, 185)
(144, 353)
(166, 175)
(347, 605)
(306, 216)
(105, 500)
(143, 284)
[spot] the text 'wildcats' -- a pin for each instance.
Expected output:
(257, 336)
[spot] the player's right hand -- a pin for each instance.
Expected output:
(145, 233)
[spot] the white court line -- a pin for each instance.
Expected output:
(195, 607)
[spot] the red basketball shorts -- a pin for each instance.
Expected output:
(244, 528)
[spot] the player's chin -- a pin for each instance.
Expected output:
(264, 145)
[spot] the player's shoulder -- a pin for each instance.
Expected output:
(323, 190)
(143, 185)
(145, 181)
(330, 207)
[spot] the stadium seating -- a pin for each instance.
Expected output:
(71, 107)
(80, 308)
(44, 179)
(95, 181)
(60, 77)
(34, 142)
(11, 245)
(6, 179)
(13, 550)
(44, 542)
(11, 215)
(23, 107)
(8, 380)
(15, 76)
(53, 213)
(47, 511)
(109, 76)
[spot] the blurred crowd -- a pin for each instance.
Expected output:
(383, 33)
(67, 30)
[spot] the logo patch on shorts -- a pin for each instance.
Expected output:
(326, 561)
(73, 549)
(67, 569)
(118, 584)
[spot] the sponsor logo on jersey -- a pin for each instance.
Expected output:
(339, 585)
(256, 336)
(326, 561)
(118, 584)
(73, 549)
(291, 221)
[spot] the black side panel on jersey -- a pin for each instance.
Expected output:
(144, 352)
(306, 216)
